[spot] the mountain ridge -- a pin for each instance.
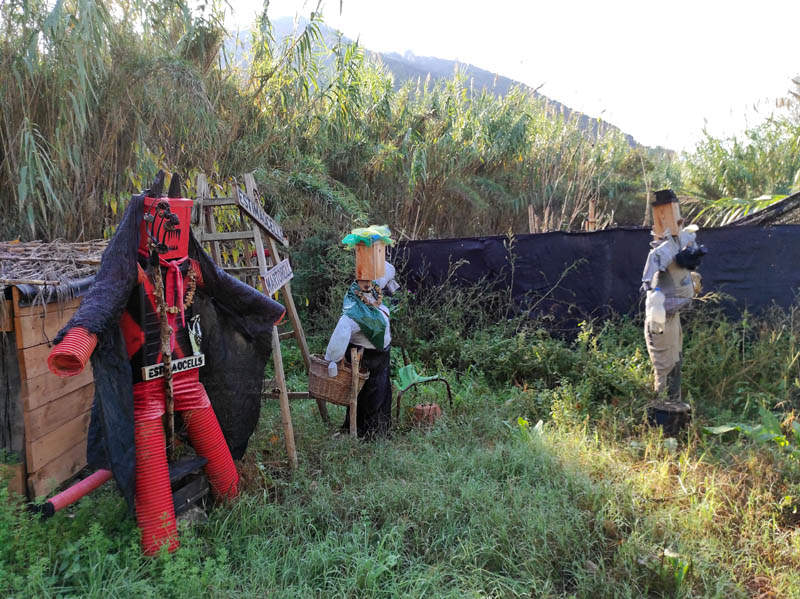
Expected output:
(408, 67)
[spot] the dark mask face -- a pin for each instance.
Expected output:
(165, 227)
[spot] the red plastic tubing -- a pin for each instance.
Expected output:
(209, 442)
(79, 489)
(155, 513)
(69, 357)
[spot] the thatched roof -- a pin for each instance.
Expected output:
(785, 212)
(48, 269)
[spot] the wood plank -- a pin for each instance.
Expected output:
(250, 203)
(219, 202)
(58, 412)
(230, 236)
(278, 276)
(48, 387)
(48, 447)
(48, 477)
(293, 396)
(52, 307)
(33, 360)
(6, 317)
(37, 328)
(13, 476)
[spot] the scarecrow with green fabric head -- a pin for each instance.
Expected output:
(364, 323)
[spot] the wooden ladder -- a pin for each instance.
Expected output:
(271, 276)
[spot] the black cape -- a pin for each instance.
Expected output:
(237, 323)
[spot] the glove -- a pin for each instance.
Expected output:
(333, 370)
(69, 357)
(690, 258)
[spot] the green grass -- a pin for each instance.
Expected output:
(592, 503)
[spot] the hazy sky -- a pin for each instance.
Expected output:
(660, 71)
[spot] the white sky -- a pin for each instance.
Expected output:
(660, 71)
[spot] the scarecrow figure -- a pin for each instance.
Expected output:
(170, 329)
(670, 283)
(364, 323)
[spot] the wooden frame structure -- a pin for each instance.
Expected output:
(271, 274)
(49, 416)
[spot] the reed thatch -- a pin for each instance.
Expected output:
(50, 267)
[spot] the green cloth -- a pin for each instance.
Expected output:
(368, 236)
(367, 317)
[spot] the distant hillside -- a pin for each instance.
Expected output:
(407, 67)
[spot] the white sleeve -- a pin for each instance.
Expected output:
(658, 259)
(340, 338)
(387, 335)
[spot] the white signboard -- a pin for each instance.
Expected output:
(278, 276)
(264, 220)
(156, 371)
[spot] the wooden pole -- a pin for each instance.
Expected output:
(646, 219)
(592, 222)
(531, 219)
(207, 216)
(355, 360)
(286, 417)
(297, 326)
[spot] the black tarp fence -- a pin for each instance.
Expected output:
(577, 276)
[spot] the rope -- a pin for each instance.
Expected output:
(166, 353)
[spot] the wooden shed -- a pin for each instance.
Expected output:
(43, 418)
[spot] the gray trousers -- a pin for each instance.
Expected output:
(665, 354)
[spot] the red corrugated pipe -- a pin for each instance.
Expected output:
(73, 493)
(209, 442)
(69, 357)
(155, 513)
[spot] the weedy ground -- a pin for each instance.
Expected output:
(488, 502)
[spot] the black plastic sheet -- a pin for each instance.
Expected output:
(575, 276)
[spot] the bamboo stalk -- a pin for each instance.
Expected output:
(27, 282)
(45, 259)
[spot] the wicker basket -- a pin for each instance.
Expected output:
(337, 389)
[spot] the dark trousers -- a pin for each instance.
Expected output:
(374, 408)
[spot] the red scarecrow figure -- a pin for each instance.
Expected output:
(144, 312)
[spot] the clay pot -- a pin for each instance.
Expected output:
(426, 413)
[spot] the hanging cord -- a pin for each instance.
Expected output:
(158, 246)
(166, 354)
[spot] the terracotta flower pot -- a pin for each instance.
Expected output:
(426, 413)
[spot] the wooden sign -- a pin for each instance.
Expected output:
(278, 276)
(264, 220)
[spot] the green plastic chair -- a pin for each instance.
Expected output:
(408, 377)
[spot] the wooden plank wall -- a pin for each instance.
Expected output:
(55, 410)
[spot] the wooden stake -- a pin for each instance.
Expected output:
(286, 417)
(355, 360)
(531, 219)
(592, 222)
